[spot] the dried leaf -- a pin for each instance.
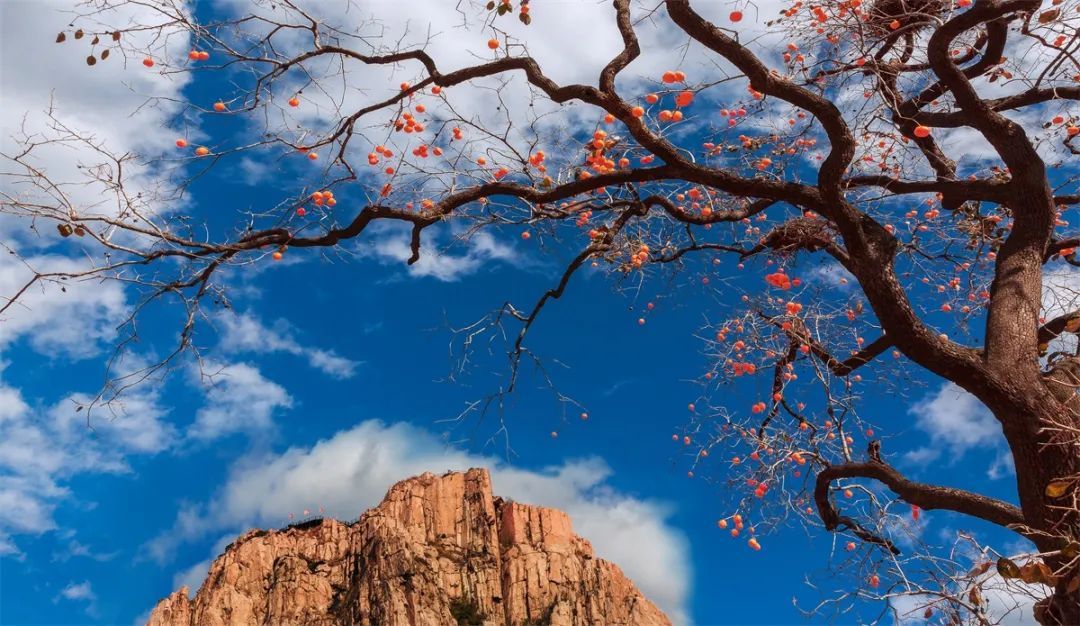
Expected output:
(95, 41)
(1037, 572)
(525, 18)
(1047, 574)
(116, 35)
(1057, 488)
(91, 60)
(1007, 568)
(1071, 550)
(64, 229)
(1074, 584)
(980, 569)
(78, 34)
(1049, 16)
(61, 38)
(975, 596)
(104, 54)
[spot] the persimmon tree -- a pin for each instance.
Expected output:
(836, 146)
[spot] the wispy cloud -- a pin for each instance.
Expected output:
(832, 274)
(446, 263)
(41, 449)
(239, 399)
(610, 391)
(73, 319)
(1005, 603)
(74, 549)
(244, 332)
(956, 422)
(44, 446)
(80, 592)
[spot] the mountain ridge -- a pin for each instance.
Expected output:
(437, 550)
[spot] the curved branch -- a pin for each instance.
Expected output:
(925, 496)
(631, 48)
(955, 119)
(990, 190)
(761, 79)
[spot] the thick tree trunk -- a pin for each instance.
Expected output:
(1061, 609)
(1039, 411)
(1043, 452)
(1034, 471)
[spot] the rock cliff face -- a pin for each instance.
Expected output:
(438, 550)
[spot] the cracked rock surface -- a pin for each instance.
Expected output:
(437, 550)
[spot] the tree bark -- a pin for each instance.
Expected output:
(1042, 454)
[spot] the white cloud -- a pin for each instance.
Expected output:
(955, 422)
(255, 172)
(1003, 465)
(330, 363)
(352, 470)
(80, 592)
(7, 546)
(96, 102)
(142, 618)
(956, 418)
(1061, 290)
(41, 449)
(44, 446)
(628, 531)
(76, 549)
(239, 399)
(833, 275)
(1007, 603)
(923, 455)
(243, 332)
(446, 263)
(192, 577)
(73, 318)
(1060, 295)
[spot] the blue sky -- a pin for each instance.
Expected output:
(332, 386)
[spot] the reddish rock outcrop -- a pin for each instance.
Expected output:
(437, 550)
